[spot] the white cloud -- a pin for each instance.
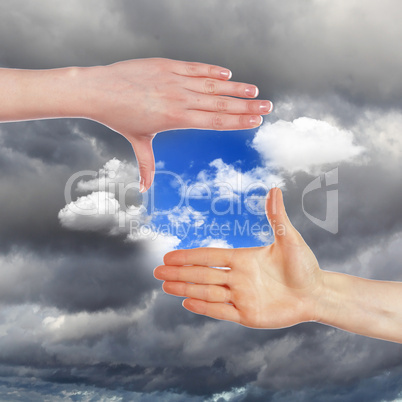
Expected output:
(186, 215)
(160, 165)
(113, 174)
(100, 211)
(104, 208)
(304, 144)
(227, 182)
(211, 242)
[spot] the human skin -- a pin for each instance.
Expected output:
(137, 98)
(280, 285)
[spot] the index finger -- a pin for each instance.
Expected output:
(193, 69)
(206, 256)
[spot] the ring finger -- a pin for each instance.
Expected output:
(209, 293)
(220, 121)
(211, 86)
(226, 104)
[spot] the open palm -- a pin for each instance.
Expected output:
(265, 287)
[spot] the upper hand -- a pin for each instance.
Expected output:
(139, 98)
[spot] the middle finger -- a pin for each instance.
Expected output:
(227, 104)
(211, 86)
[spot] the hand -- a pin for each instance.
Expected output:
(139, 98)
(266, 287)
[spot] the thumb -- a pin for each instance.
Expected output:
(146, 162)
(278, 218)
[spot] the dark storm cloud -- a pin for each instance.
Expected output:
(272, 367)
(312, 48)
(65, 142)
(36, 160)
(57, 35)
(90, 279)
(385, 388)
(32, 188)
(49, 264)
(369, 210)
(328, 60)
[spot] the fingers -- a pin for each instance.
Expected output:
(195, 274)
(219, 121)
(220, 311)
(210, 293)
(192, 69)
(212, 104)
(206, 256)
(211, 101)
(275, 208)
(216, 87)
(277, 215)
(229, 105)
(146, 162)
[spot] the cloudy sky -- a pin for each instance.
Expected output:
(81, 316)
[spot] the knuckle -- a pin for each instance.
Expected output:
(160, 64)
(178, 275)
(227, 296)
(181, 96)
(232, 257)
(217, 121)
(186, 290)
(244, 121)
(228, 278)
(205, 256)
(210, 87)
(221, 105)
(144, 166)
(211, 70)
(173, 115)
(191, 68)
(207, 293)
(203, 276)
(251, 107)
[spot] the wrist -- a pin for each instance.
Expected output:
(330, 297)
(79, 96)
(43, 94)
(56, 93)
(90, 83)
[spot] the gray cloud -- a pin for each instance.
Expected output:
(313, 48)
(369, 210)
(81, 311)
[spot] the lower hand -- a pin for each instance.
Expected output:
(266, 287)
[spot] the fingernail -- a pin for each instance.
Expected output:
(227, 74)
(142, 185)
(251, 91)
(255, 121)
(266, 107)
